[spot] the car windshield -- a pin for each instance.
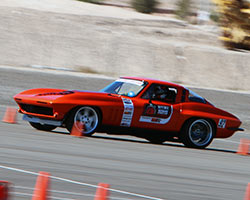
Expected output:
(125, 87)
(195, 97)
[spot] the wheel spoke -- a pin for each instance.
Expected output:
(88, 117)
(86, 112)
(92, 119)
(200, 132)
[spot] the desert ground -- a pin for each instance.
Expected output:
(114, 41)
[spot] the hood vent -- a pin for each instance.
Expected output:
(55, 93)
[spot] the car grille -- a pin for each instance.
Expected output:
(37, 109)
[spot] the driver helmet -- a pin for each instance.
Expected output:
(161, 92)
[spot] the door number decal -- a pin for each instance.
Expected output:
(222, 123)
(128, 112)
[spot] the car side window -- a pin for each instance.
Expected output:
(160, 93)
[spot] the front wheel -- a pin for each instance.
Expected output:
(197, 133)
(86, 117)
(42, 127)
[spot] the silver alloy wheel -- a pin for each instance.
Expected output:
(200, 132)
(86, 117)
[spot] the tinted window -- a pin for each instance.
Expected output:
(160, 93)
(195, 97)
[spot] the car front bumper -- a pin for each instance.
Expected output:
(33, 119)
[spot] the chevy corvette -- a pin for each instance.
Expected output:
(156, 110)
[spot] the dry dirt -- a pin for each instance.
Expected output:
(117, 41)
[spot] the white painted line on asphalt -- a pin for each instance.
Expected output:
(80, 183)
(30, 195)
(55, 191)
(64, 192)
(20, 194)
(18, 170)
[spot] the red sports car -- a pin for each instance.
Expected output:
(155, 110)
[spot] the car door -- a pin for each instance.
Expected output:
(157, 108)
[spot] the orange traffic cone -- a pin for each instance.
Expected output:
(247, 195)
(4, 189)
(77, 129)
(102, 192)
(41, 188)
(10, 115)
(243, 147)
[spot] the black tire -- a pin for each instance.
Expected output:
(86, 115)
(42, 127)
(197, 133)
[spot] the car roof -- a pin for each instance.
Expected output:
(150, 81)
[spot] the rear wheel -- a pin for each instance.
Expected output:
(86, 117)
(197, 133)
(42, 127)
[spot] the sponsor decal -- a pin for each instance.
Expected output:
(222, 123)
(157, 120)
(163, 110)
(128, 112)
(126, 101)
(150, 110)
(154, 110)
(128, 109)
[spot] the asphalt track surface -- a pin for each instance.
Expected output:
(169, 171)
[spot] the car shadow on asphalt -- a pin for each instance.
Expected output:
(59, 132)
(170, 144)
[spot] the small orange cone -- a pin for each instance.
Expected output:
(247, 195)
(75, 129)
(4, 189)
(41, 188)
(243, 147)
(10, 115)
(102, 192)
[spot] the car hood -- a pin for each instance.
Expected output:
(53, 95)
